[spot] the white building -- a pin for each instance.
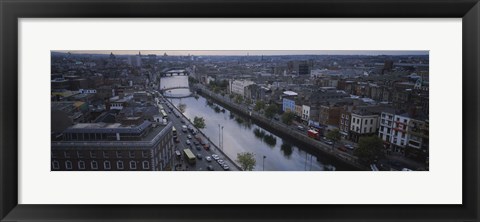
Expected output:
(363, 124)
(386, 126)
(238, 86)
(305, 112)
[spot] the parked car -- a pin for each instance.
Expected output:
(187, 142)
(210, 167)
(350, 147)
(208, 158)
(226, 167)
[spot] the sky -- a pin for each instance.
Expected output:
(249, 52)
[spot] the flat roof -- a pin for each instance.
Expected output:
(290, 93)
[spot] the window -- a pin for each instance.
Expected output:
(105, 154)
(119, 154)
(403, 135)
(358, 121)
(66, 154)
(93, 154)
(341, 121)
(347, 116)
(398, 119)
(54, 155)
(371, 121)
(371, 129)
(144, 154)
(366, 121)
(81, 165)
(343, 115)
(55, 165)
(383, 115)
(396, 133)
(388, 130)
(133, 165)
(106, 165)
(94, 165)
(146, 165)
(353, 119)
(364, 129)
(405, 120)
(79, 154)
(131, 154)
(68, 165)
(120, 165)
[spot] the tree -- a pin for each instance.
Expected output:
(238, 99)
(199, 122)
(334, 136)
(287, 117)
(369, 149)
(247, 160)
(271, 111)
(182, 107)
(259, 105)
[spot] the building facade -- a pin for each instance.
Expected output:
(362, 124)
(114, 147)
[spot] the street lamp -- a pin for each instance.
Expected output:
(263, 162)
(222, 139)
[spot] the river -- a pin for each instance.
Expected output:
(272, 153)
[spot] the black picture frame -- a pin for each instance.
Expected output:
(11, 11)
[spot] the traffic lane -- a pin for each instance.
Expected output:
(177, 122)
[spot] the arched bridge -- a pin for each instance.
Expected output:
(175, 72)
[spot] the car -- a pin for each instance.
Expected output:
(198, 147)
(195, 143)
(183, 121)
(301, 128)
(208, 158)
(350, 147)
(187, 142)
(177, 140)
(210, 167)
(189, 136)
(199, 156)
(215, 157)
(221, 162)
(207, 146)
(226, 167)
(342, 148)
(329, 142)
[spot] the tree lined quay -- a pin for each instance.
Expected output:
(351, 162)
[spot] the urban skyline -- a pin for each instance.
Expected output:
(249, 52)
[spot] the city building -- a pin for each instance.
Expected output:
(344, 126)
(400, 133)
(238, 86)
(363, 123)
(118, 146)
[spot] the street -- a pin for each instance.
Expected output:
(201, 163)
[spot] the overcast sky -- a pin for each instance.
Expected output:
(250, 52)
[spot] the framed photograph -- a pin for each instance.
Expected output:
(226, 110)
